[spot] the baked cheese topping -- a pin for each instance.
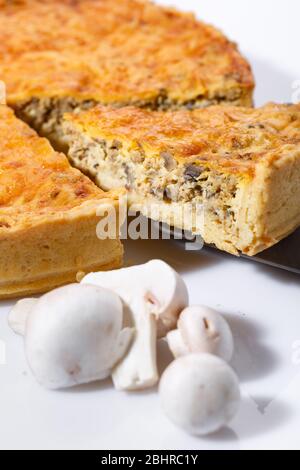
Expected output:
(232, 139)
(34, 179)
(116, 51)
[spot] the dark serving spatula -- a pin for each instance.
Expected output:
(284, 255)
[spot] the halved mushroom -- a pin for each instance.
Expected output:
(154, 295)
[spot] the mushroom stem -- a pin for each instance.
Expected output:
(138, 369)
(19, 314)
(153, 295)
(176, 344)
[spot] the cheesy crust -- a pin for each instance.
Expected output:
(48, 215)
(117, 51)
(242, 165)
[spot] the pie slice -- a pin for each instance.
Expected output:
(61, 56)
(231, 174)
(48, 215)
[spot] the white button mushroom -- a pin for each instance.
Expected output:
(18, 315)
(74, 335)
(199, 393)
(155, 295)
(201, 330)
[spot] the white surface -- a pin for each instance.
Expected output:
(262, 306)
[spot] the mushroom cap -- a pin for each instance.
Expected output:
(203, 330)
(199, 393)
(72, 335)
(157, 283)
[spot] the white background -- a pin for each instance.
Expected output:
(262, 305)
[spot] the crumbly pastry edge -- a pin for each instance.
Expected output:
(41, 286)
(265, 206)
(57, 259)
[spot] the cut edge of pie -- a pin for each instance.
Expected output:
(238, 167)
(49, 214)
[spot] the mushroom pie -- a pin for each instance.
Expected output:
(48, 215)
(58, 56)
(238, 167)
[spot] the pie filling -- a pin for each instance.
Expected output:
(45, 115)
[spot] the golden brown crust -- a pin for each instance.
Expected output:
(35, 181)
(231, 139)
(116, 51)
(48, 215)
(40, 286)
